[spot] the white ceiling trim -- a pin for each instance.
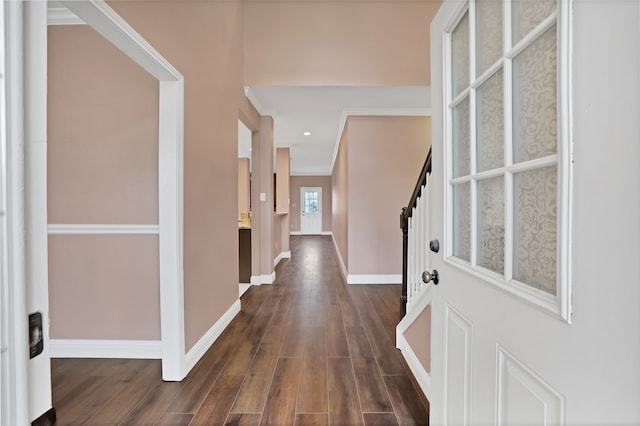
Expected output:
(406, 112)
(311, 173)
(248, 92)
(62, 16)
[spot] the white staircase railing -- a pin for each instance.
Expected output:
(418, 246)
(414, 222)
(416, 295)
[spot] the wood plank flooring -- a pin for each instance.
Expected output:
(307, 350)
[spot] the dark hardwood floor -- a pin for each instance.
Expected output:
(307, 350)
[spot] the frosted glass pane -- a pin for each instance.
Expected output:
(488, 33)
(462, 221)
(460, 55)
(535, 103)
(535, 228)
(491, 224)
(490, 124)
(461, 139)
(528, 14)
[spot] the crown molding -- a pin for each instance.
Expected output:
(62, 16)
(310, 173)
(256, 103)
(395, 112)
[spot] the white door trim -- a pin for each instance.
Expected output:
(14, 403)
(110, 25)
(303, 189)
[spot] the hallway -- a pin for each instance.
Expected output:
(307, 350)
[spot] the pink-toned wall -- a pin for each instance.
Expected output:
(281, 219)
(419, 338)
(204, 41)
(103, 132)
(276, 242)
(386, 155)
(338, 43)
(323, 182)
(244, 185)
(263, 237)
(104, 287)
(340, 198)
(282, 179)
(102, 169)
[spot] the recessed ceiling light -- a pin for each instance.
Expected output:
(307, 133)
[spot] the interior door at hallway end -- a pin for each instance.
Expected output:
(311, 210)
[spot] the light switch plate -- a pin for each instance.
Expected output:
(263, 196)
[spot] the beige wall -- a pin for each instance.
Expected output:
(340, 198)
(298, 182)
(244, 185)
(377, 166)
(418, 336)
(104, 287)
(102, 169)
(338, 43)
(386, 155)
(204, 41)
(263, 236)
(282, 179)
(103, 132)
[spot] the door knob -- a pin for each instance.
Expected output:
(431, 276)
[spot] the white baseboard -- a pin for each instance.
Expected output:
(421, 375)
(374, 279)
(263, 279)
(300, 233)
(90, 348)
(343, 268)
(205, 342)
(242, 288)
(283, 255)
(268, 279)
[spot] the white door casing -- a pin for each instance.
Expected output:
(110, 25)
(504, 352)
(311, 210)
(14, 358)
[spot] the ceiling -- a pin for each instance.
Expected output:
(322, 110)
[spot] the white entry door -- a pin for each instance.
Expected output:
(507, 348)
(311, 210)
